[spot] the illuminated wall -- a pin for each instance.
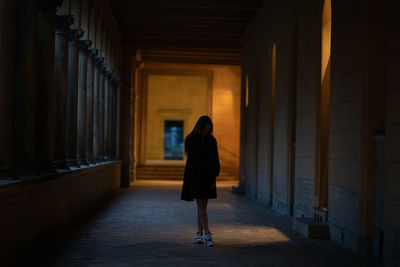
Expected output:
(173, 97)
(322, 141)
(189, 95)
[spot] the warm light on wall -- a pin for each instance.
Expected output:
(322, 147)
(247, 90)
(273, 70)
(326, 38)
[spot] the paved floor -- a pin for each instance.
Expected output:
(148, 225)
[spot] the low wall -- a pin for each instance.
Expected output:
(32, 207)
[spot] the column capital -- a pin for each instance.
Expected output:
(63, 23)
(84, 46)
(115, 82)
(99, 61)
(104, 68)
(109, 73)
(92, 53)
(74, 35)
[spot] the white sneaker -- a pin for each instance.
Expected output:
(208, 240)
(199, 238)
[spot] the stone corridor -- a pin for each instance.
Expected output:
(148, 225)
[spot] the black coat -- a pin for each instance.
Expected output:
(202, 168)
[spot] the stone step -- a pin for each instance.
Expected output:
(310, 228)
(223, 178)
(167, 172)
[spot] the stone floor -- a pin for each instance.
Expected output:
(148, 225)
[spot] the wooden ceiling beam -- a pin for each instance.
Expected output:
(176, 22)
(165, 13)
(189, 44)
(181, 31)
(189, 25)
(185, 37)
(228, 28)
(182, 34)
(184, 4)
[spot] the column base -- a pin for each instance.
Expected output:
(46, 167)
(90, 160)
(82, 162)
(60, 165)
(72, 164)
(22, 172)
(98, 160)
(6, 173)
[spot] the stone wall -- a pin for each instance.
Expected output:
(391, 212)
(223, 102)
(32, 207)
(362, 32)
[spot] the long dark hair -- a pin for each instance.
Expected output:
(200, 125)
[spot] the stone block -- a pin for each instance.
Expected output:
(305, 146)
(343, 205)
(345, 173)
(345, 145)
(393, 107)
(347, 87)
(305, 124)
(345, 116)
(305, 167)
(392, 137)
(392, 181)
(304, 197)
(393, 69)
(310, 228)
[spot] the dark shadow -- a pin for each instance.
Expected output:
(48, 246)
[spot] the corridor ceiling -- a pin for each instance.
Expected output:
(215, 26)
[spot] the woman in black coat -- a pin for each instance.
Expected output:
(201, 170)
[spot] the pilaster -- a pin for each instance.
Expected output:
(60, 89)
(6, 83)
(72, 97)
(92, 53)
(24, 93)
(82, 101)
(45, 83)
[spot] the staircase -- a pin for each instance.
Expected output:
(175, 172)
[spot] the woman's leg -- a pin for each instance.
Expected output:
(202, 214)
(205, 203)
(200, 226)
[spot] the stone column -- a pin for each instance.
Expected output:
(24, 97)
(100, 139)
(114, 118)
(110, 123)
(92, 53)
(72, 98)
(96, 105)
(82, 101)
(45, 83)
(60, 89)
(105, 115)
(118, 120)
(107, 90)
(126, 118)
(111, 126)
(6, 82)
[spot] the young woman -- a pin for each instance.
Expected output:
(201, 170)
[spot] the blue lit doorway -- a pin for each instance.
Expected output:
(173, 140)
